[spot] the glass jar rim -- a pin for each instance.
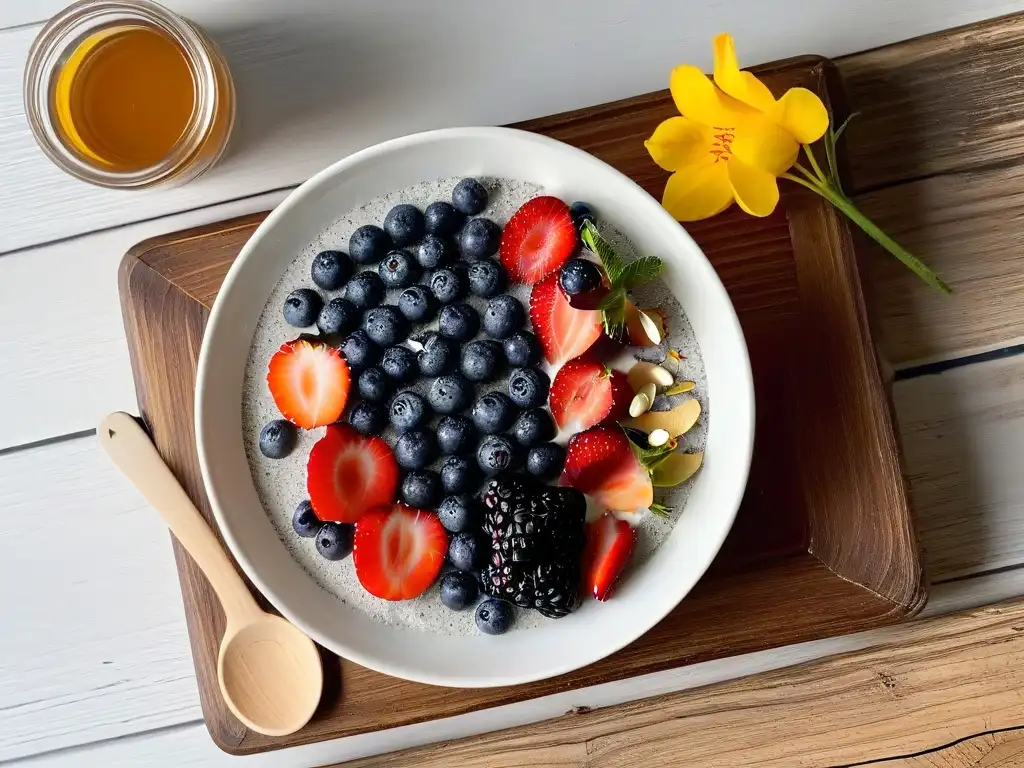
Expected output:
(65, 32)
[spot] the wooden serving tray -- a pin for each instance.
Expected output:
(823, 544)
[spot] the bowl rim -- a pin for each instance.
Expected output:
(728, 506)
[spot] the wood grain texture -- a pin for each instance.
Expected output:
(970, 518)
(1003, 749)
(312, 87)
(934, 682)
(772, 266)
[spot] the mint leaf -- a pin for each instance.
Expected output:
(641, 271)
(610, 260)
(613, 307)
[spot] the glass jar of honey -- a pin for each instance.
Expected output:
(126, 94)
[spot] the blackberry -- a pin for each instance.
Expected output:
(535, 541)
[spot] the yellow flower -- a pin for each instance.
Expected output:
(733, 138)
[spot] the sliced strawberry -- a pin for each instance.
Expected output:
(398, 551)
(564, 332)
(610, 542)
(347, 474)
(309, 383)
(586, 392)
(601, 463)
(538, 239)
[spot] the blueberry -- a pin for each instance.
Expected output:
(399, 363)
(493, 413)
(522, 349)
(578, 276)
(469, 197)
(301, 307)
(365, 290)
(415, 449)
(437, 356)
(304, 520)
(465, 551)
(481, 360)
(408, 411)
(398, 270)
(368, 418)
(496, 454)
(459, 475)
(447, 285)
(459, 322)
(334, 540)
(359, 351)
(450, 393)
(434, 251)
(458, 512)
(533, 427)
(404, 224)
(494, 617)
(441, 218)
(581, 212)
(504, 316)
(487, 278)
(416, 304)
(331, 270)
(374, 385)
(278, 439)
(459, 590)
(368, 244)
(479, 239)
(545, 461)
(421, 488)
(338, 317)
(528, 387)
(455, 434)
(385, 325)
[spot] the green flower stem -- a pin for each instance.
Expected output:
(823, 187)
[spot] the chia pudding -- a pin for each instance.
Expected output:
(281, 483)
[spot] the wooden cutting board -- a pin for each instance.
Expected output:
(823, 544)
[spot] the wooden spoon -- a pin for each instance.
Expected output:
(269, 671)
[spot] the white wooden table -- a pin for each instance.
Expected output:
(94, 661)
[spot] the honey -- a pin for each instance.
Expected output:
(126, 94)
(124, 97)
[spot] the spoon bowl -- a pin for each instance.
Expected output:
(270, 675)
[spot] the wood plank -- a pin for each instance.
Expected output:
(962, 442)
(933, 682)
(307, 96)
(94, 643)
(968, 227)
(61, 331)
(943, 103)
(1004, 749)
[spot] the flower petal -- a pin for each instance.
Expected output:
(761, 143)
(677, 142)
(695, 95)
(698, 192)
(801, 112)
(742, 86)
(756, 190)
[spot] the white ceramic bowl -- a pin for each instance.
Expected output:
(597, 629)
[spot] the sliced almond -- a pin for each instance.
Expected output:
(680, 388)
(642, 373)
(676, 468)
(649, 391)
(639, 404)
(676, 422)
(645, 327)
(657, 438)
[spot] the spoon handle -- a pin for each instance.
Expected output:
(133, 452)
